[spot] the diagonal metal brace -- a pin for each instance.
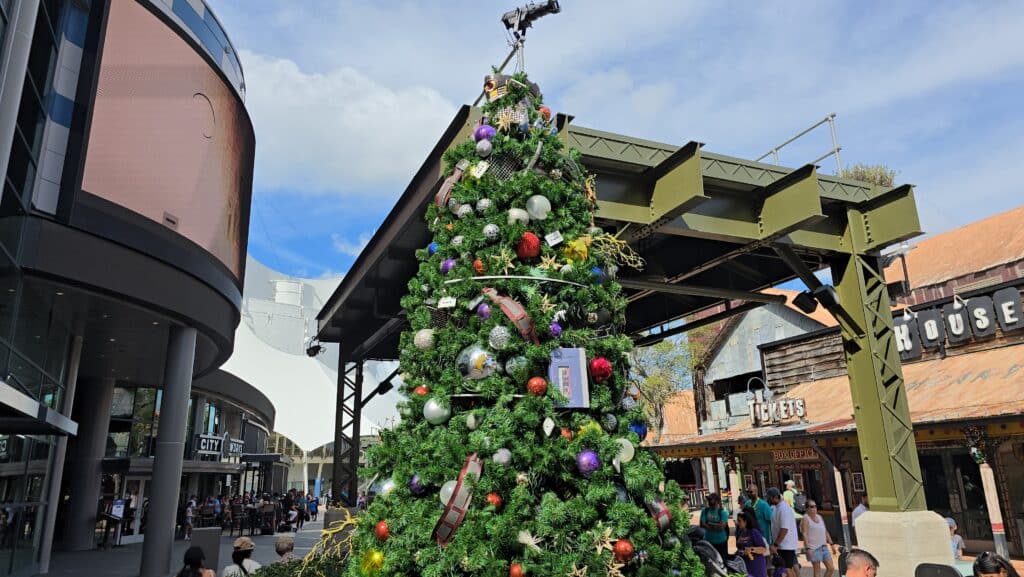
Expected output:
(797, 265)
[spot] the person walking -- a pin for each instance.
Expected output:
(190, 511)
(784, 540)
(817, 541)
(194, 559)
(751, 544)
(314, 507)
(795, 499)
(762, 511)
(860, 563)
(302, 505)
(241, 563)
(715, 521)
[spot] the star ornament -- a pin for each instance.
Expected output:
(505, 119)
(614, 569)
(577, 571)
(546, 305)
(503, 261)
(548, 262)
(603, 541)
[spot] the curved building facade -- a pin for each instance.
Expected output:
(127, 154)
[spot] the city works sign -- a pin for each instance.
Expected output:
(956, 325)
(209, 445)
(771, 412)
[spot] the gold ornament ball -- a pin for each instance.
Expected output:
(372, 561)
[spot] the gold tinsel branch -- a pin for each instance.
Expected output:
(331, 542)
(617, 250)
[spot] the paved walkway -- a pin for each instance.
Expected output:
(124, 561)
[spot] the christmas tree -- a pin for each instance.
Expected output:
(517, 453)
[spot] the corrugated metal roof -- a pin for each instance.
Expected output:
(972, 248)
(980, 385)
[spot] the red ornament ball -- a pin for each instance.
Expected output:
(515, 570)
(600, 369)
(421, 390)
(623, 550)
(566, 433)
(545, 113)
(494, 499)
(478, 266)
(529, 246)
(381, 530)
(537, 386)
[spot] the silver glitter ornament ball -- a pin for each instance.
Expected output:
(491, 232)
(464, 211)
(457, 240)
(499, 337)
(453, 205)
(627, 403)
(483, 205)
(610, 422)
(484, 148)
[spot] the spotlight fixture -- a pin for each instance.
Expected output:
(826, 295)
(518, 20)
(958, 302)
(805, 302)
(314, 348)
(908, 315)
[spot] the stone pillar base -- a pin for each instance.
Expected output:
(902, 541)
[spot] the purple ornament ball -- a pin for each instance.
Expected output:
(587, 462)
(447, 265)
(416, 485)
(555, 329)
(484, 132)
(483, 311)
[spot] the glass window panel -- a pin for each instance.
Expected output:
(145, 405)
(123, 403)
(141, 440)
(117, 444)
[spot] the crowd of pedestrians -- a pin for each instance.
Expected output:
(769, 532)
(264, 513)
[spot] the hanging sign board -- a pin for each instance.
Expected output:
(235, 446)
(956, 324)
(209, 445)
(775, 411)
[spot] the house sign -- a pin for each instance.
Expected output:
(954, 325)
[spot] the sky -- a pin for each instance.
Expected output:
(347, 98)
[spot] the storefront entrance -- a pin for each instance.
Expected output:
(952, 485)
(134, 491)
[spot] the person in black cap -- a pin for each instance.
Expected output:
(194, 558)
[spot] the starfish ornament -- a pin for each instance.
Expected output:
(529, 541)
(546, 305)
(548, 262)
(614, 569)
(504, 121)
(503, 261)
(603, 541)
(589, 189)
(578, 571)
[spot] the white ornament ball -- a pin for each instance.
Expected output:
(499, 337)
(518, 216)
(457, 240)
(626, 450)
(502, 457)
(386, 487)
(424, 339)
(484, 148)
(538, 207)
(464, 211)
(435, 413)
(483, 205)
(448, 489)
(491, 231)
(472, 422)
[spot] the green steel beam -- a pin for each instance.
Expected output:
(889, 219)
(884, 429)
(676, 187)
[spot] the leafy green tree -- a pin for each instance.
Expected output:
(661, 370)
(879, 174)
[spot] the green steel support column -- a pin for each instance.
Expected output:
(884, 429)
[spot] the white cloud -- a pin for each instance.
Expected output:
(337, 131)
(345, 246)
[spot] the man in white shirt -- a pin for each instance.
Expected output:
(784, 538)
(860, 509)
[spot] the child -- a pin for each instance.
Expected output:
(956, 541)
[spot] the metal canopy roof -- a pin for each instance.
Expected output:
(713, 229)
